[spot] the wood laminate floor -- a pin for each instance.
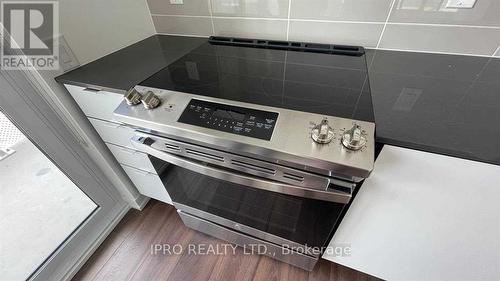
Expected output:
(127, 254)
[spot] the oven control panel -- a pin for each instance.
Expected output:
(228, 118)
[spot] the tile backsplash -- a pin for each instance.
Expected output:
(414, 25)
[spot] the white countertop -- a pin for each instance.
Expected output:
(423, 216)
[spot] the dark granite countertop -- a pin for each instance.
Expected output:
(125, 68)
(446, 104)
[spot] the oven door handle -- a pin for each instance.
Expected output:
(146, 145)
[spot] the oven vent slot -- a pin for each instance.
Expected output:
(293, 177)
(286, 45)
(253, 167)
(172, 147)
(204, 154)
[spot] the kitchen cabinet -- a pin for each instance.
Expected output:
(132, 158)
(148, 184)
(114, 133)
(423, 216)
(94, 103)
(98, 106)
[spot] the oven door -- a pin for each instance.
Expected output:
(278, 212)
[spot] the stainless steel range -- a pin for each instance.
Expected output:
(267, 141)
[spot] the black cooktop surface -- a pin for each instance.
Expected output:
(329, 84)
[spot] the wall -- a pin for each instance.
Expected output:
(94, 28)
(414, 25)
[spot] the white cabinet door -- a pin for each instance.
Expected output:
(113, 133)
(95, 104)
(423, 216)
(132, 158)
(148, 184)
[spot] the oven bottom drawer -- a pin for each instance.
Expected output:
(272, 250)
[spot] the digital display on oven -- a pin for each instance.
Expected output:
(232, 119)
(229, 114)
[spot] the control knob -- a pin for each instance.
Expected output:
(353, 138)
(150, 100)
(322, 133)
(132, 97)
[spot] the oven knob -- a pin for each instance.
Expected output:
(132, 97)
(322, 133)
(353, 139)
(150, 100)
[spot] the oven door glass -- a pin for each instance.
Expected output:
(301, 220)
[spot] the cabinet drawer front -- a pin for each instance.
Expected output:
(113, 133)
(96, 104)
(148, 184)
(132, 158)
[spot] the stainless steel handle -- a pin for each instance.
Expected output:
(91, 90)
(113, 125)
(145, 145)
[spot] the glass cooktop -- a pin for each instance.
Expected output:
(329, 84)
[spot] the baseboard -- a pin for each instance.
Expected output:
(142, 201)
(119, 214)
(139, 202)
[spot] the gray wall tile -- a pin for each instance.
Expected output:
(257, 9)
(183, 25)
(190, 7)
(341, 10)
(353, 22)
(253, 28)
(485, 12)
(364, 34)
(431, 38)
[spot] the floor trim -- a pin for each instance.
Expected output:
(142, 201)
